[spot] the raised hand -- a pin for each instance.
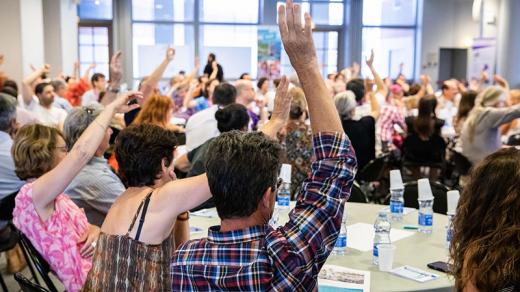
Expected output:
(170, 54)
(297, 40)
(116, 69)
(46, 68)
(370, 60)
(282, 101)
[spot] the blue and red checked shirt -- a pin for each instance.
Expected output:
(261, 258)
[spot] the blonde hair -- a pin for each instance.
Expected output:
(155, 111)
(33, 150)
(487, 98)
(298, 103)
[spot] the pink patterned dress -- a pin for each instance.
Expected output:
(56, 238)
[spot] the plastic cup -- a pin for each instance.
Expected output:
(453, 200)
(285, 173)
(386, 256)
(425, 191)
(396, 182)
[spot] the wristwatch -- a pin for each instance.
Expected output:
(113, 89)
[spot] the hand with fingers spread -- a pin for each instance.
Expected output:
(88, 241)
(297, 40)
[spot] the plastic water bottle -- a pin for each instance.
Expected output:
(382, 228)
(396, 195)
(453, 200)
(425, 206)
(284, 192)
(340, 248)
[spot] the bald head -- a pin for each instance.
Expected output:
(245, 92)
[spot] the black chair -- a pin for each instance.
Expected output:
(413, 171)
(375, 177)
(440, 202)
(357, 195)
(39, 262)
(6, 244)
(461, 164)
(26, 285)
(7, 207)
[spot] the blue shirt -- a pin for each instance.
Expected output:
(9, 182)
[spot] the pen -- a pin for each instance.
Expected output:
(410, 227)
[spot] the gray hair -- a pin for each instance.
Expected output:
(345, 104)
(78, 121)
(7, 112)
(56, 83)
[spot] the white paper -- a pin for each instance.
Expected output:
(406, 210)
(360, 236)
(345, 278)
(411, 273)
(207, 213)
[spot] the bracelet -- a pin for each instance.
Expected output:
(183, 218)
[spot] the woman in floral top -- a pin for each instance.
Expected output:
(297, 140)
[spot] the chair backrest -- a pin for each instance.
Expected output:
(39, 262)
(412, 171)
(26, 285)
(357, 195)
(7, 207)
(375, 169)
(440, 202)
(461, 164)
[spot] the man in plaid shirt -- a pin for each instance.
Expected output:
(244, 253)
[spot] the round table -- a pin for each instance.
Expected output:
(417, 250)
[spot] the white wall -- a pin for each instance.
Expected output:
(11, 43)
(446, 24)
(32, 34)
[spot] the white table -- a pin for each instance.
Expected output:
(416, 250)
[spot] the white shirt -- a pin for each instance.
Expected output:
(269, 99)
(201, 127)
(52, 117)
(89, 98)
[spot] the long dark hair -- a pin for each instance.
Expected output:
(467, 102)
(485, 246)
(424, 124)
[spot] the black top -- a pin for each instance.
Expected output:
(362, 134)
(220, 75)
(197, 158)
(429, 151)
(438, 125)
(131, 115)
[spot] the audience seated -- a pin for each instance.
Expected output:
(264, 94)
(213, 68)
(244, 252)
(480, 135)
(297, 140)
(424, 144)
(484, 249)
(202, 126)
(96, 187)
(60, 88)
(246, 96)
(98, 83)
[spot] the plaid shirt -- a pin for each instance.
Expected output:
(261, 258)
(390, 116)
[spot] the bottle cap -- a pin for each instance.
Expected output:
(396, 182)
(424, 189)
(285, 173)
(453, 200)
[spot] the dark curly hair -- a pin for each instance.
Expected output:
(485, 246)
(236, 185)
(139, 151)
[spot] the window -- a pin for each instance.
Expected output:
(95, 9)
(94, 48)
(229, 11)
(327, 13)
(163, 10)
(390, 28)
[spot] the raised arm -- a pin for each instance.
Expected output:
(47, 187)
(116, 73)
(27, 84)
(86, 74)
(299, 45)
(381, 87)
(282, 106)
(151, 82)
